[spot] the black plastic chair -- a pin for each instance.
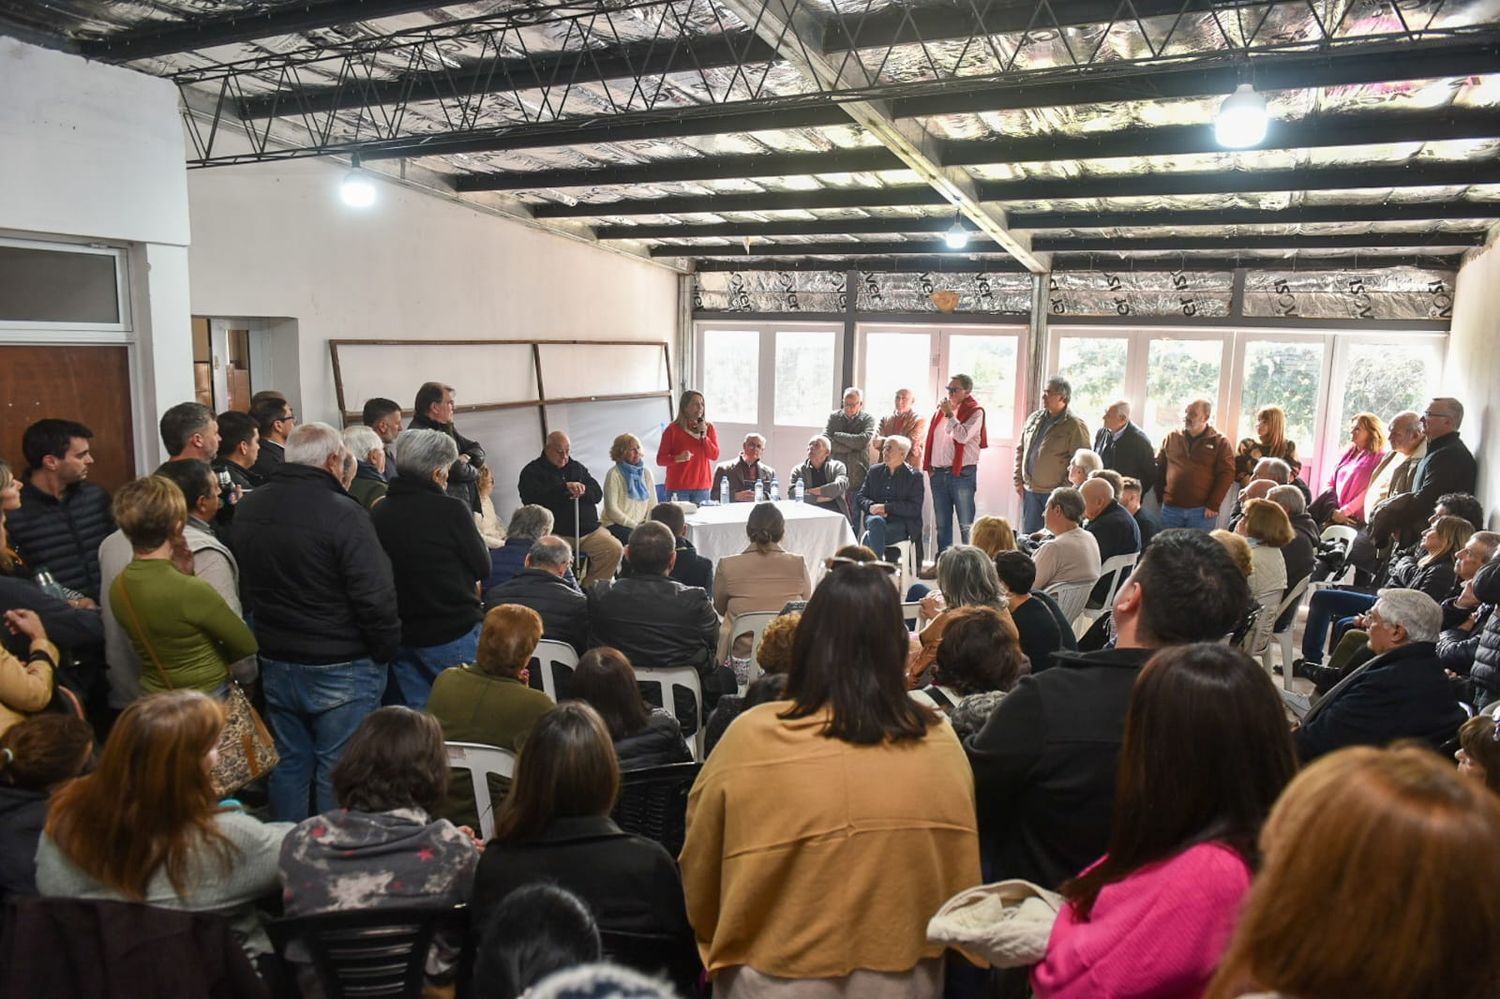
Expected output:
(672, 958)
(653, 803)
(370, 952)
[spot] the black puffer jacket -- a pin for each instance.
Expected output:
(63, 535)
(1438, 580)
(313, 569)
(1486, 669)
(659, 743)
(463, 476)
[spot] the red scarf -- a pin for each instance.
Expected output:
(966, 409)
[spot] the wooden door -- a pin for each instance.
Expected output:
(87, 384)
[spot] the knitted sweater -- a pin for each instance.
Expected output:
(1159, 933)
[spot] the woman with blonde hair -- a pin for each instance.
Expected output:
(992, 535)
(145, 826)
(629, 489)
(1267, 528)
(1406, 851)
(1270, 441)
(1343, 501)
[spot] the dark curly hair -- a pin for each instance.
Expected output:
(396, 759)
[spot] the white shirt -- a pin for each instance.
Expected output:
(950, 431)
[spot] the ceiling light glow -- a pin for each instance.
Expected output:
(1242, 119)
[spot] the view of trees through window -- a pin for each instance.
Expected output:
(991, 361)
(1285, 374)
(804, 369)
(1384, 379)
(1177, 372)
(731, 375)
(895, 361)
(1095, 368)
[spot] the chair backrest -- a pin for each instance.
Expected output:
(668, 679)
(481, 761)
(1339, 532)
(549, 655)
(368, 952)
(911, 613)
(1071, 598)
(653, 802)
(1292, 596)
(1116, 568)
(754, 624)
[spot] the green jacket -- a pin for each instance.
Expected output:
(180, 622)
(490, 710)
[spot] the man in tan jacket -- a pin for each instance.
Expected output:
(1195, 468)
(1047, 443)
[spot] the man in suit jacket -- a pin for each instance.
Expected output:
(1123, 446)
(1402, 693)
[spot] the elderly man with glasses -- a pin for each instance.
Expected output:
(742, 473)
(1047, 443)
(1447, 467)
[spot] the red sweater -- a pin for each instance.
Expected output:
(698, 471)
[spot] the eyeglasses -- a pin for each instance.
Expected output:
(839, 561)
(955, 388)
(1430, 415)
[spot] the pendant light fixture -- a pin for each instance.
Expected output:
(357, 189)
(957, 237)
(1242, 119)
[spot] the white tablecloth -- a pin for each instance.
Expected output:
(812, 532)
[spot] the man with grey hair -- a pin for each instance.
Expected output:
(438, 558)
(545, 585)
(1195, 468)
(891, 499)
(370, 481)
(906, 422)
(1124, 446)
(1402, 693)
(742, 473)
(1047, 443)
(562, 484)
(527, 524)
(1448, 467)
(1072, 556)
(825, 479)
(849, 432)
(324, 600)
(1393, 477)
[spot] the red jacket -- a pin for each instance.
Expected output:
(698, 471)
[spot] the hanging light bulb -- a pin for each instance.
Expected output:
(357, 190)
(957, 237)
(1242, 119)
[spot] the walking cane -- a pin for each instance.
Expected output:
(580, 562)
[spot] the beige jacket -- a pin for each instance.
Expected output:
(1053, 454)
(25, 687)
(757, 579)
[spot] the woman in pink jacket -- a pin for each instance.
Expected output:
(689, 448)
(1351, 476)
(1206, 753)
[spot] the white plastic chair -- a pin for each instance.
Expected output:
(549, 655)
(911, 613)
(1071, 598)
(481, 761)
(906, 564)
(1283, 639)
(1117, 564)
(670, 678)
(1258, 640)
(1344, 534)
(754, 623)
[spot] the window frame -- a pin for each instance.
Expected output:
(122, 293)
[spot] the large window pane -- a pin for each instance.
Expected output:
(1286, 375)
(1095, 367)
(1179, 371)
(895, 361)
(991, 362)
(1386, 378)
(731, 375)
(804, 378)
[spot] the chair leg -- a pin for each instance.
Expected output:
(1286, 659)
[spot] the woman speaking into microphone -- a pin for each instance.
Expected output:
(689, 448)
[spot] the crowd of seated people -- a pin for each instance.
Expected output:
(354, 570)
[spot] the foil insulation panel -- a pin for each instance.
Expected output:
(1193, 295)
(1389, 293)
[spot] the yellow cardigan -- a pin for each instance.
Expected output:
(808, 857)
(25, 686)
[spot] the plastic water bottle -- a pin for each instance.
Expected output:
(760, 491)
(724, 492)
(799, 491)
(49, 585)
(775, 490)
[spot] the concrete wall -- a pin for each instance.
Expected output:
(1472, 372)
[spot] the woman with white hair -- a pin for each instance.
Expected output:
(1081, 464)
(438, 559)
(369, 483)
(629, 489)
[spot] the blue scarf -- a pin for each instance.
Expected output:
(635, 481)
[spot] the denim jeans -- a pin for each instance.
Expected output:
(1187, 516)
(696, 496)
(1326, 607)
(880, 533)
(953, 494)
(416, 668)
(312, 712)
(1033, 510)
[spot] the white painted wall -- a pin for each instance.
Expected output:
(1472, 371)
(96, 152)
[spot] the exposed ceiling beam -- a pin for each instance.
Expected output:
(904, 196)
(962, 263)
(978, 245)
(1418, 211)
(815, 227)
(157, 38)
(685, 170)
(1243, 181)
(1322, 241)
(792, 29)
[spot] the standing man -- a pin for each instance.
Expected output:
(434, 410)
(239, 447)
(825, 479)
(63, 516)
(384, 417)
(324, 601)
(742, 472)
(275, 420)
(1194, 471)
(1124, 446)
(554, 481)
(891, 499)
(1447, 467)
(954, 440)
(904, 422)
(850, 431)
(190, 430)
(1047, 443)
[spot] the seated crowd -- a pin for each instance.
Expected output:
(1184, 828)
